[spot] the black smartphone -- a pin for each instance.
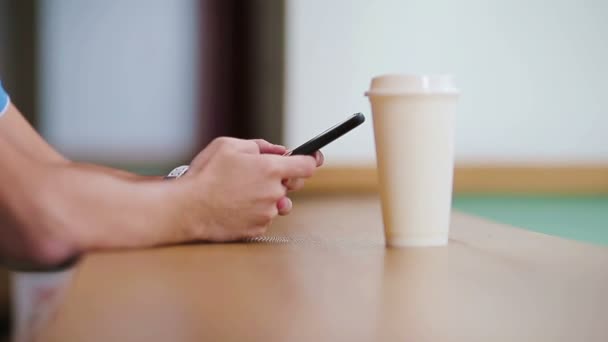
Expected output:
(323, 139)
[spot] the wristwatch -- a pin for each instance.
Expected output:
(177, 172)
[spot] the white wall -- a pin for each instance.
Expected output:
(119, 78)
(533, 74)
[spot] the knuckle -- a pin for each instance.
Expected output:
(272, 168)
(268, 215)
(251, 145)
(308, 169)
(298, 184)
(219, 140)
(292, 184)
(272, 196)
(222, 142)
(289, 183)
(278, 193)
(248, 146)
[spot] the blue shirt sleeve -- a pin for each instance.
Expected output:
(4, 100)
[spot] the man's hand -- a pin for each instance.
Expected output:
(237, 187)
(284, 205)
(52, 209)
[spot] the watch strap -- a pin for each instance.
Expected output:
(177, 172)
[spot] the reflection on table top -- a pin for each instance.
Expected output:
(323, 274)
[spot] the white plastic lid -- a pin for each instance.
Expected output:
(403, 84)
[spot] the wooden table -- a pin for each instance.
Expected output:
(323, 274)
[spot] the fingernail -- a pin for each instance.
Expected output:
(288, 204)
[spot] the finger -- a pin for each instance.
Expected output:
(294, 184)
(293, 166)
(266, 147)
(320, 158)
(284, 206)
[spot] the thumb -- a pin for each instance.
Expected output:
(284, 206)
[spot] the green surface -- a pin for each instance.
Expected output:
(583, 218)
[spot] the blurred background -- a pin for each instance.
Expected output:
(145, 84)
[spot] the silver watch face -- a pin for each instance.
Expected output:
(178, 171)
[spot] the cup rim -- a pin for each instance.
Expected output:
(400, 84)
(389, 93)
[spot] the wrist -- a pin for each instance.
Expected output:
(196, 209)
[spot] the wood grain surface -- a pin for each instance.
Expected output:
(323, 274)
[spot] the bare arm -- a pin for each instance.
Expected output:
(52, 209)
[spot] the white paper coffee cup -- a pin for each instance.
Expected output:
(413, 119)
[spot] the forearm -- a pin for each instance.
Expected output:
(103, 209)
(51, 211)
